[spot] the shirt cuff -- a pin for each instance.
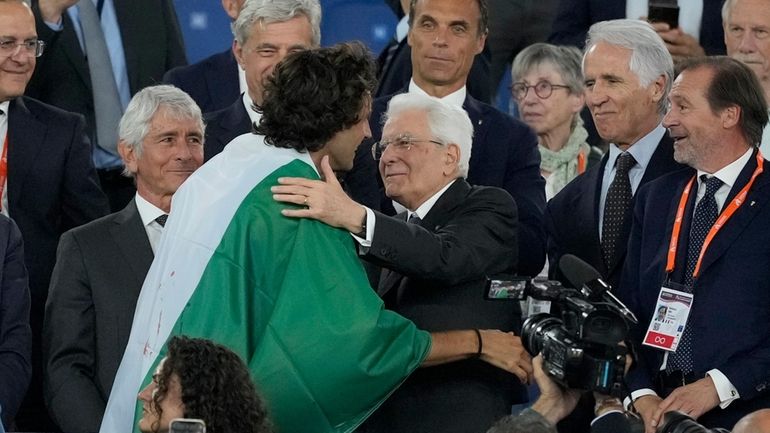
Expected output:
(366, 243)
(725, 390)
(635, 395)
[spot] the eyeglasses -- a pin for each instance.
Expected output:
(402, 143)
(543, 89)
(10, 47)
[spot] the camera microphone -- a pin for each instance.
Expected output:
(589, 281)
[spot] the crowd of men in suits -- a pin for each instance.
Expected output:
(436, 216)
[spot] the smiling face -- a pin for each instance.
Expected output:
(16, 24)
(266, 46)
(623, 110)
(747, 37)
(444, 37)
(171, 151)
(170, 404)
(697, 131)
(556, 112)
(411, 176)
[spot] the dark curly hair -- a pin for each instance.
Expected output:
(314, 94)
(216, 387)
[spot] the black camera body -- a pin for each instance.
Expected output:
(580, 343)
(580, 346)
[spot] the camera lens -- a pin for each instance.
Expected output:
(534, 329)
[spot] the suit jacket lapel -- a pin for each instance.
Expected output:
(436, 216)
(757, 197)
(70, 44)
(591, 200)
(25, 142)
(128, 16)
(131, 239)
(224, 79)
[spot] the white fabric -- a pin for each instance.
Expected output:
(690, 14)
(148, 212)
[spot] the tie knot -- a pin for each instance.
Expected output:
(624, 162)
(712, 184)
(161, 220)
(414, 219)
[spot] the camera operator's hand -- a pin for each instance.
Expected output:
(505, 350)
(647, 406)
(555, 402)
(694, 399)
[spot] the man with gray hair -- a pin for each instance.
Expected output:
(436, 257)
(628, 73)
(101, 266)
(265, 32)
(747, 37)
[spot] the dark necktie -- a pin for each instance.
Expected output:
(706, 213)
(162, 220)
(414, 219)
(617, 208)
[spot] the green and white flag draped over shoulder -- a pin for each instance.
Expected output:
(288, 295)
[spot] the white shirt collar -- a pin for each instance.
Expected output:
(427, 205)
(5, 106)
(729, 173)
(147, 211)
(249, 103)
(456, 99)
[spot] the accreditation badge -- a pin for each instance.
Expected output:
(668, 319)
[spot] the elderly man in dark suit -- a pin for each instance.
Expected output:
(437, 256)
(141, 40)
(50, 186)
(214, 82)
(445, 36)
(15, 333)
(265, 31)
(702, 231)
(101, 266)
(590, 217)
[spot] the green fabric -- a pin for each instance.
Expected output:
(291, 298)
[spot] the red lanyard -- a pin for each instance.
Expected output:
(3, 169)
(726, 214)
(581, 162)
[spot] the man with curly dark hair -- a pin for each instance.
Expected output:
(203, 380)
(289, 296)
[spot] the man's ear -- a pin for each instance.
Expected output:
(238, 53)
(451, 159)
(128, 154)
(730, 116)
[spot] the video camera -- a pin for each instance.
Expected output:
(580, 345)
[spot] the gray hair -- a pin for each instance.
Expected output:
(265, 12)
(135, 123)
(649, 57)
(727, 7)
(566, 60)
(528, 421)
(447, 123)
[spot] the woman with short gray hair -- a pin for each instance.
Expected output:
(548, 90)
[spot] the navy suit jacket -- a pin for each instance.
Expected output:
(435, 276)
(504, 154)
(212, 82)
(572, 216)
(15, 333)
(99, 273)
(152, 43)
(52, 185)
(574, 17)
(731, 331)
(223, 126)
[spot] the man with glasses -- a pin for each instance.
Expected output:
(48, 183)
(436, 257)
(445, 36)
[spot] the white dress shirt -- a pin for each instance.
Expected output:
(148, 213)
